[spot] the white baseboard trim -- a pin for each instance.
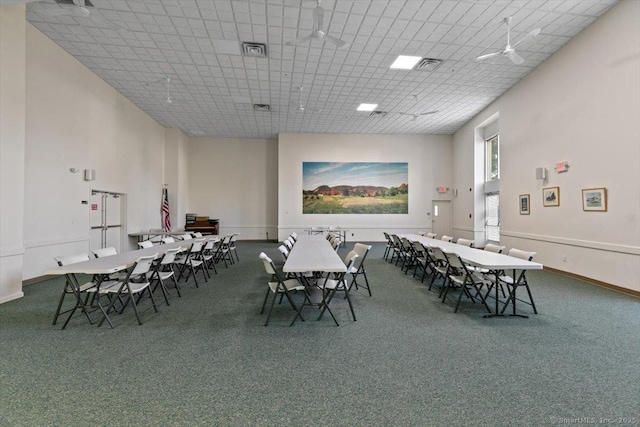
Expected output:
(11, 251)
(601, 246)
(52, 242)
(350, 227)
(11, 297)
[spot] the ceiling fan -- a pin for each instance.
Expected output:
(317, 31)
(72, 8)
(301, 108)
(417, 114)
(509, 51)
(167, 80)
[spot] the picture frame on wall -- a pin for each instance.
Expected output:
(594, 199)
(525, 204)
(551, 196)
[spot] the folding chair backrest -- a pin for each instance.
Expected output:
(362, 251)
(143, 265)
(197, 234)
(431, 235)
(295, 236)
(170, 256)
(454, 260)
(406, 244)
(420, 233)
(350, 259)
(290, 240)
(521, 254)
(145, 244)
(335, 243)
(494, 248)
(100, 253)
(288, 244)
(209, 245)
(196, 246)
(268, 264)
(71, 259)
(417, 246)
(465, 242)
(446, 238)
(438, 254)
(396, 240)
(283, 250)
(168, 240)
(187, 236)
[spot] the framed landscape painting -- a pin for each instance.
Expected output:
(551, 196)
(355, 188)
(594, 199)
(525, 203)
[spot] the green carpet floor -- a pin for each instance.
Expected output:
(408, 360)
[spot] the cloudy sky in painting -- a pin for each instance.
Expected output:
(315, 174)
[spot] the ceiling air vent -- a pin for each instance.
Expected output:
(258, 50)
(261, 107)
(428, 64)
(378, 114)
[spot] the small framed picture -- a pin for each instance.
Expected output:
(524, 204)
(594, 199)
(551, 196)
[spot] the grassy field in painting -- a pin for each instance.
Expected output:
(398, 204)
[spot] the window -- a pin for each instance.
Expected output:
(492, 216)
(492, 189)
(492, 156)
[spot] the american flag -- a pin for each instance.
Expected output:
(166, 214)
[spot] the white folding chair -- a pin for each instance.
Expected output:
(135, 283)
(446, 238)
(465, 242)
(277, 285)
(331, 285)
(145, 244)
(74, 288)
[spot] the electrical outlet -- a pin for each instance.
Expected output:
(564, 258)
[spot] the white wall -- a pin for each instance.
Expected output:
(430, 165)
(74, 119)
(236, 181)
(12, 149)
(583, 106)
(176, 163)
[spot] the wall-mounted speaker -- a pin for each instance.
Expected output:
(89, 174)
(541, 173)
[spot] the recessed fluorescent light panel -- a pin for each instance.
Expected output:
(367, 107)
(404, 62)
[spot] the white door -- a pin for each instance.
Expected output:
(441, 217)
(105, 219)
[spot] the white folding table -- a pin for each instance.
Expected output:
(315, 253)
(105, 266)
(483, 259)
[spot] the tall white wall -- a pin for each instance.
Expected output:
(583, 106)
(430, 165)
(236, 181)
(75, 119)
(176, 163)
(12, 149)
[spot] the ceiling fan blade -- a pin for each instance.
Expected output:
(299, 41)
(528, 36)
(487, 56)
(515, 58)
(318, 18)
(337, 42)
(429, 112)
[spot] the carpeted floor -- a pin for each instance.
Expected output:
(407, 361)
